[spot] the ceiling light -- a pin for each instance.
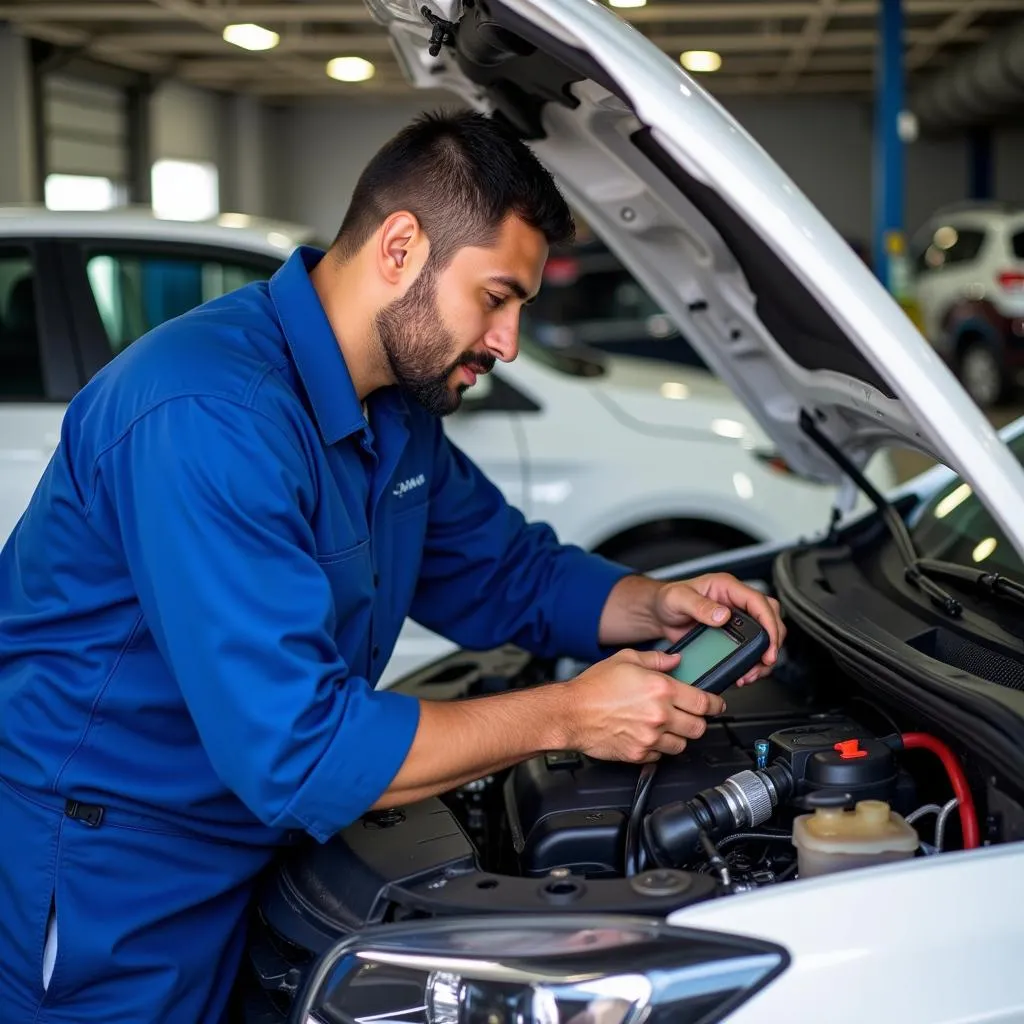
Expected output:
(701, 60)
(350, 69)
(627, 3)
(251, 37)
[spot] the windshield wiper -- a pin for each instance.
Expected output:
(914, 571)
(989, 583)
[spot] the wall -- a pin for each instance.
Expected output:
(322, 146)
(17, 140)
(233, 132)
(823, 143)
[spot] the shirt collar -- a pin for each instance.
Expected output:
(314, 348)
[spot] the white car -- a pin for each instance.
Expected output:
(968, 282)
(733, 884)
(556, 431)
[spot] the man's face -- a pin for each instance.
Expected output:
(450, 327)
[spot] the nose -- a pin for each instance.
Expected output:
(502, 340)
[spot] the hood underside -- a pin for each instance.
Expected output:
(775, 301)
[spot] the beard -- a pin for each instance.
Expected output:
(418, 348)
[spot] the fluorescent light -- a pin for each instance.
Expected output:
(350, 69)
(700, 60)
(251, 37)
(627, 3)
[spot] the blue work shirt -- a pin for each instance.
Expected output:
(216, 564)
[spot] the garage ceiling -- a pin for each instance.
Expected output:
(797, 46)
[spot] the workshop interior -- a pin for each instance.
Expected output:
(786, 343)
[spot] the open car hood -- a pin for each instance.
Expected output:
(773, 298)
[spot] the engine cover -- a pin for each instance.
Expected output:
(566, 810)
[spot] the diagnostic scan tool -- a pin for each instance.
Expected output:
(713, 658)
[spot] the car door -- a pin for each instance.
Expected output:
(38, 369)
(121, 288)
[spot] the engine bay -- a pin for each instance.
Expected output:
(563, 833)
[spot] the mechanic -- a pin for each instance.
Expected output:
(244, 506)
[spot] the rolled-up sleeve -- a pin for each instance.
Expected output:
(218, 542)
(488, 577)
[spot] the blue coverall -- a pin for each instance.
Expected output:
(194, 610)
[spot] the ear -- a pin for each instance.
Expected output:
(402, 247)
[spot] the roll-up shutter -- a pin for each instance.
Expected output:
(86, 125)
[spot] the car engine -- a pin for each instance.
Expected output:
(563, 833)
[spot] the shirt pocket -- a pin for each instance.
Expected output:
(350, 576)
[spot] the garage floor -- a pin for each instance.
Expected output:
(909, 464)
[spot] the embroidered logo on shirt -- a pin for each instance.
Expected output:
(409, 485)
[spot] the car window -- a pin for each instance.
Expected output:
(589, 299)
(21, 370)
(948, 246)
(956, 527)
(136, 292)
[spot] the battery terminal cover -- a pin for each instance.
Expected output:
(833, 839)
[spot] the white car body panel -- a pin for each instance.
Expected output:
(929, 941)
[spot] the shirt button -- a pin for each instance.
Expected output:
(376, 652)
(376, 579)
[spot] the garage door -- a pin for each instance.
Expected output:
(86, 127)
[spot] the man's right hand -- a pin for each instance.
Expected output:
(627, 709)
(622, 709)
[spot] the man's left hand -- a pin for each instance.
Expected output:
(709, 599)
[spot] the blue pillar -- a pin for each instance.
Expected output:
(979, 167)
(888, 148)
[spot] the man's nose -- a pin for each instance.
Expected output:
(502, 340)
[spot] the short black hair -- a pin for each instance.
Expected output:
(461, 174)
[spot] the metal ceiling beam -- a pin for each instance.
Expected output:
(951, 28)
(206, 16)
(753, 10)
(810, 38)
(225, 70)
(754, 43)
(211, 42)
(333, 44)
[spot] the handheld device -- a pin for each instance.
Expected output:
(714, 657)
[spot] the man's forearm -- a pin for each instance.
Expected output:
(629, 613)
(459, 741)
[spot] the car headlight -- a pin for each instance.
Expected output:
(527, 970)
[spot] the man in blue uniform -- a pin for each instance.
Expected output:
(212, 573)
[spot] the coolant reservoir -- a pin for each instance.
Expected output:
(832, 839)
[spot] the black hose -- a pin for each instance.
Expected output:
(634, 847)
(715, 860)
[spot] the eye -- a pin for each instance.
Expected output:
(495, 301)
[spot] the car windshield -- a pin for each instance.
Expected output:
(956, 527)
